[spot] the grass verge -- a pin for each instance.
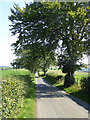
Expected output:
(28, 105)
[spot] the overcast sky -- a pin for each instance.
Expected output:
(6, 55)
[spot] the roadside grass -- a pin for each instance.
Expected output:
(74, 90)
(25, 107)
(28, 107)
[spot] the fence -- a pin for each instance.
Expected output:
(76, 81)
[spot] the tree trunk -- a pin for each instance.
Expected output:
(69, 79)
(38, 72)
(72, 77)
(44, 72)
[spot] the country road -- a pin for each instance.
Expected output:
(54, 103)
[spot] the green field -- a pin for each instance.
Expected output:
(6, 73)
(18, 93)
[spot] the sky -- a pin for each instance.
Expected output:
(6, 54)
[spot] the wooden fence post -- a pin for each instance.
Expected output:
(77, 81)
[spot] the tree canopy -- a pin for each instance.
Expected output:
(43, 27)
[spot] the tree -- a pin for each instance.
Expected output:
(47, 61)
(74, 37)
(26, 60)
(30, 59)
(34, 34)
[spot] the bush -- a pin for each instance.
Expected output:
(85, 83)
(54, 78)
(59, 77)
(12, 94)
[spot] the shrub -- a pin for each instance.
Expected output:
(85, 83)
(12, 94)
(59, 77)
(54, 78)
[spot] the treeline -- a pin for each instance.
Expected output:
(5, 67)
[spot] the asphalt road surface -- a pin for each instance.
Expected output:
(52, 102)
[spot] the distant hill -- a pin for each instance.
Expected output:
(84, 70)
(5, 67)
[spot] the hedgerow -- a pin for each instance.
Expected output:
(85, 83)
(12, 95)
(54, 77)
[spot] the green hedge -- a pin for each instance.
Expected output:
(54, 78)
(12, 94)
(85, 83)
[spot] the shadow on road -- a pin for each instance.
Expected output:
(45, 91)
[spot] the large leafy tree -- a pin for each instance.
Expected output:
(75, 38)
(32, 29)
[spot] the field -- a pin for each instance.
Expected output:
(18, 93)
(51, 77)
(6, 73)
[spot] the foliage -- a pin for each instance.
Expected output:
(75, 33)
(15, 84)
(33, 48)
(69, 80)
(34, 63)
(85, 83)
(43, 27)
(28, 106)
(26, 60)
(74, 37)
(53, 77)
(12, 92)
